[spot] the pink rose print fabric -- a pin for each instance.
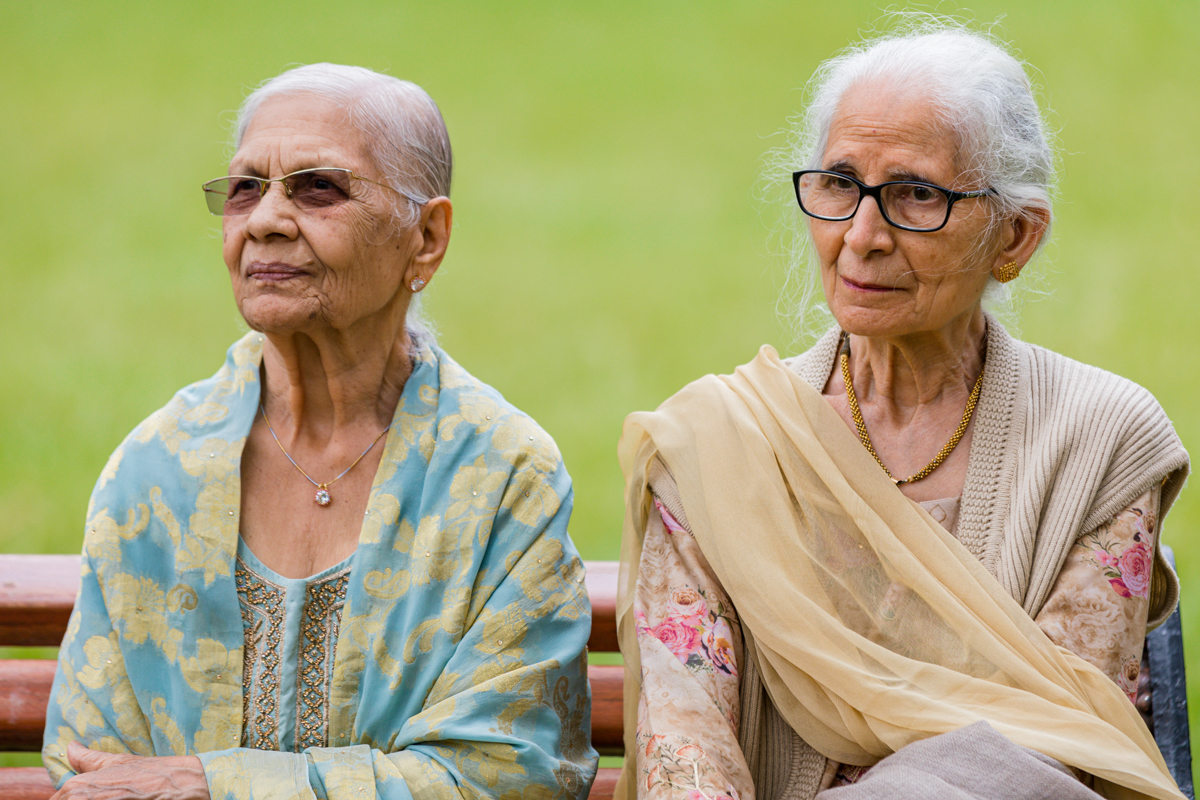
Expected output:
(699, 636)
(690, 644)
(1100, 602)
(1128, 573)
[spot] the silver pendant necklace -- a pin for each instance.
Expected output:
(322, 497)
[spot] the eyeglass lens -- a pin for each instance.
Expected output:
(828, 195)
(308, 189)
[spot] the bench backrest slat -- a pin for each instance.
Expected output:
(24, 693)
(36, 596)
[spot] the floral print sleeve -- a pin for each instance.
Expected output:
(690, 644)
(1100, 602)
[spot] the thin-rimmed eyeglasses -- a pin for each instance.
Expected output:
(310, 189)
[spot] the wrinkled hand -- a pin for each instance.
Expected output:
(105, 776)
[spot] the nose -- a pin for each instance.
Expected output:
(869, 232)
(275, 214)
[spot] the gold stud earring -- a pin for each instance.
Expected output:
(416, 284)
(1008, 272)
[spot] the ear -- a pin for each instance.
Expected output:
(1020, 237)
(437, 218)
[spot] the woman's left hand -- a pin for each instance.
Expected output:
(109, 776)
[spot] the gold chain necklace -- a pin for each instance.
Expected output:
(861, 426)
(322, 497)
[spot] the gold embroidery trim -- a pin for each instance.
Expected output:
(318, 641)
(263, 616)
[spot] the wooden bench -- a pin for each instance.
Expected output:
(37, 593)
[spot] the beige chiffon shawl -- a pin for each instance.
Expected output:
(873, 627)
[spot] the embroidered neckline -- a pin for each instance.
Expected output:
(264, 620)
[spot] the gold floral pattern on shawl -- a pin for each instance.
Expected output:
(103, 543)
(404, 610)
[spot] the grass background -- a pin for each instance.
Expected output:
(609, 246)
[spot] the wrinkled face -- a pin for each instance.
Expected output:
(880, 280)
(299, 270)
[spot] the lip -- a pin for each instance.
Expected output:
(872, 288)
(273, 272)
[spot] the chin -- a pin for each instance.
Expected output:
(872, 322)
(277, 315)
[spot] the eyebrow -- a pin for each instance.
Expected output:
(913, 176)
(842, 166)
(245, 169)
(308, 160)
(847, 168)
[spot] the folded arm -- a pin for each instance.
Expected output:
(1101, 599)
(689, 640)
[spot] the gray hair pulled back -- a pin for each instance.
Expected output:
(983, 97)
(403, 128)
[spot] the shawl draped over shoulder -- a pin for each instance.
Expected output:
(874, 628)
(459, 667)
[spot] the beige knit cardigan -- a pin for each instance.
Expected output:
(1058, 448)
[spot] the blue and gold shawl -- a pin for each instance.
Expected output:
(460, 666)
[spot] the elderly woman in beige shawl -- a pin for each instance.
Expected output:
(920, 558)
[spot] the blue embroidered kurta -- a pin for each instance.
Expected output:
(459, 666)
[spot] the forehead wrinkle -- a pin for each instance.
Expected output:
(277, 159)
(889, 157)
(892, 136)
(283, 139)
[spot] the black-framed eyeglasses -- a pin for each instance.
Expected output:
(310, 189)
(907, 205)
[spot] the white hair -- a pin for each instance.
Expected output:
(982, 95)
(406, 136)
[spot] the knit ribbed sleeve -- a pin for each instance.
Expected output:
(1089, 442)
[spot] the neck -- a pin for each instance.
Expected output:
(316, 384)
(902, 373)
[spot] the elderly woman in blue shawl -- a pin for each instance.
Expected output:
(339, 568)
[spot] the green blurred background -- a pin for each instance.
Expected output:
(609, 244)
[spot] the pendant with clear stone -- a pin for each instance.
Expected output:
(323, 498)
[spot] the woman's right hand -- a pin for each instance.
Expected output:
(121, 776)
